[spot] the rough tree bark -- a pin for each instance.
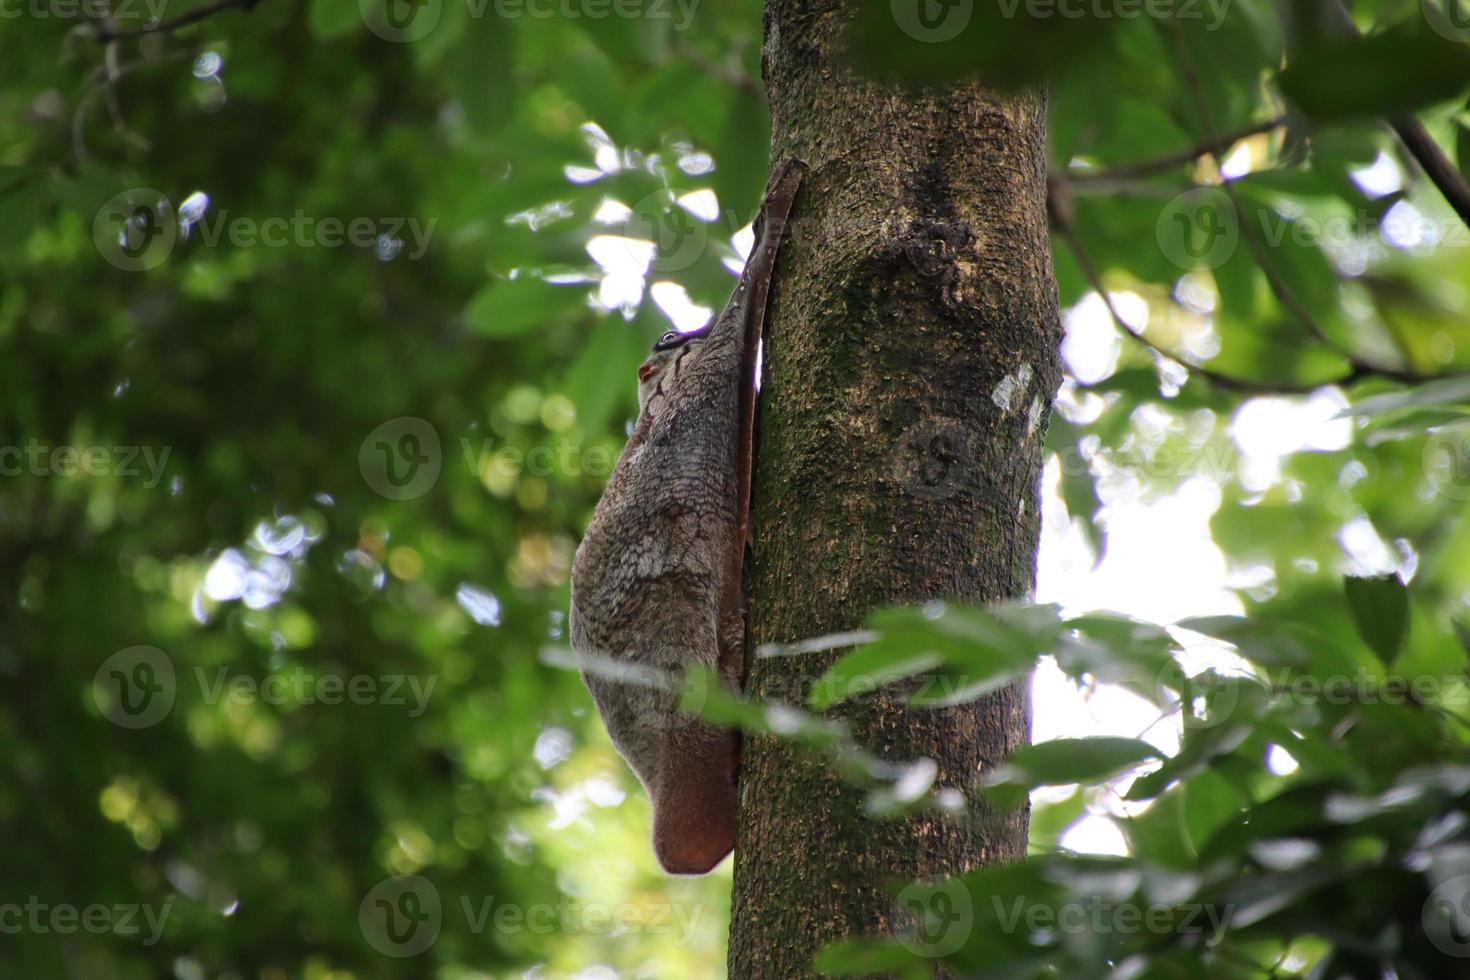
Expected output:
(912, 361)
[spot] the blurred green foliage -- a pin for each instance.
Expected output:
(1313, 821)
(233, 522)
(296, 457)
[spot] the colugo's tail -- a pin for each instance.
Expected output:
(696, 801)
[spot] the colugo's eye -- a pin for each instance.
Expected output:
(671, 335)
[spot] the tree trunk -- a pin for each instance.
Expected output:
(911, 364)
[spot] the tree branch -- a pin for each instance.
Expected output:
(730, 72)
(100, 85)
(109, 32)
(1415, 137)
(1148, 168)
(1279, 287)
(1437, 166)
(1060, 212)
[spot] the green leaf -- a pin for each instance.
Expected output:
(1462, 633)
(1079, 494)
(1201, 746)
(1267, 644)
(981, 649)
(504, 309)
(1160, 834)
(1116, 649)
(88, 189)
(1049, 820)
(1210, 803)
(1066, 760)
(1257, 898)
(1297, 811)
(1002, 43)
(334, 18)
(1381, 74)
(869, 668)
(1380, 608)
(634, 41)
(602, 376)
(871, 957)
(24, 199)
(480, 71)
(1447, 391)
(740, 173)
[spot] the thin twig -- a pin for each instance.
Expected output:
(1437, 166)
(1148, 168)
(109, 32)
(1279, 287)
(110, 66)
(79, 117)
(99, 84)
(729, 72)
(1061, 220)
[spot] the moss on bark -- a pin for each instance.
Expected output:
(911, 363)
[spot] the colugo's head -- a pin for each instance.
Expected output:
(666, 351)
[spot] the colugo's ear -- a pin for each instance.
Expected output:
(696, 801)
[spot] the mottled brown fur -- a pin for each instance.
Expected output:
(656, 581)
